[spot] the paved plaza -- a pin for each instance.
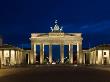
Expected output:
(55, 73)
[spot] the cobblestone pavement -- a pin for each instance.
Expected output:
(54, 74)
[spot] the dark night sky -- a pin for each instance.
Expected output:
(20, 18)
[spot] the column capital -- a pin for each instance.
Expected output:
(79, 43)
(33, 43)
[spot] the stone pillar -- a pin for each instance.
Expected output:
(41, 53)
(28, 57)
(92, 54)
(100, 54)
(102, 57)
(50, 53)
(79, 53)
(71, 53)
(10, 57)
(109, 56)
(15, 56)
(84, 58)
(95, 57)
(18, 57)
(22, 57)
(0, 63)
(91, 57)
(62, 53)
(2, 57)
(33, 53)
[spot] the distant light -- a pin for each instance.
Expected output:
(53, 62)
(75, 65)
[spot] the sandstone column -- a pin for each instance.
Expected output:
(2, 57)
(50, 53)
(83, 58)
(28, 57)
(79, 53)
(33, 53)
(15, 56)
(41, 53)
(109, 56)
(18, 57)
(102, 57)
(94, 57)
(62, 53)
(71, 53)
(10, 57)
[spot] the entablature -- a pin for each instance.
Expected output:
(52, 34)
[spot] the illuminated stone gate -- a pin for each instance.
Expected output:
(56, 37)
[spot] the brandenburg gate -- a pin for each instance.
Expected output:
(56, 37)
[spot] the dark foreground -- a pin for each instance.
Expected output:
(54, 74)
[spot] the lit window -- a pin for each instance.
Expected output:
(104, 53)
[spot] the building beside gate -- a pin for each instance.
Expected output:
(10, 55)
(100, 54)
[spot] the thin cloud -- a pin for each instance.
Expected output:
(98, 27)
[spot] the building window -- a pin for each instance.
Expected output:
(104, 53)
